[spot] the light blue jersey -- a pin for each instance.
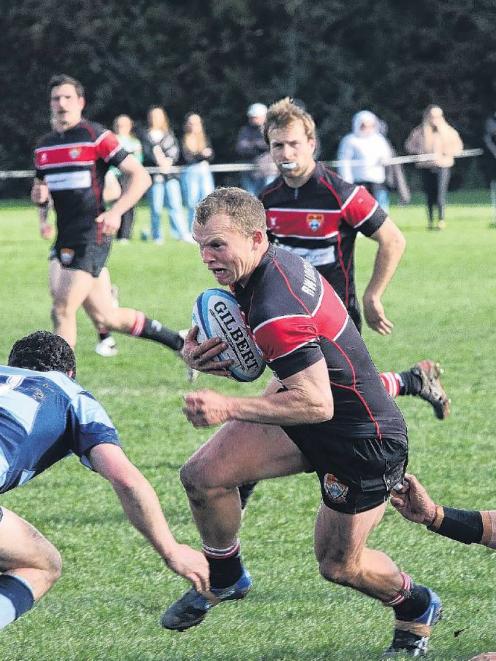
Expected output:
(44, 416)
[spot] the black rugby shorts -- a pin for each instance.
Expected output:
(89, 257)
(355, 475)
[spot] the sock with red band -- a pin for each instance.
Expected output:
(393, 383)
(151, 329)
(225, 565)
(411, 601)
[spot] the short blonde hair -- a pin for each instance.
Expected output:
(246, 212)
(283, 113)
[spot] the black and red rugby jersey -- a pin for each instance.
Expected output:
(320, 220)
(73, 164)
(297, 318)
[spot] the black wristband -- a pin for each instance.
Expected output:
(461, 525)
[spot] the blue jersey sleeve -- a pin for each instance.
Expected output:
(90, 425)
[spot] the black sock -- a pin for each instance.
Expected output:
(412, 383)
(103, 335)
(415, 605)
(154, 330)
(226, 571)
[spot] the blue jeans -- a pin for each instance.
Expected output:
(253, 184)
(166, 192)
(197, 182)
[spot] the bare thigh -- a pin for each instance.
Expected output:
(69, 287)
(245, 452)
(99, 304)
(340, 536)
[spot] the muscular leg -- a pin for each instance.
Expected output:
(340, 548)
(25, 553)
(239, 452)
(68, 288)
(100, 308)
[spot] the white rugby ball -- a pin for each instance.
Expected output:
(217, 314)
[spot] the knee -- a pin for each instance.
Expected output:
(192, 480)
(52, 565)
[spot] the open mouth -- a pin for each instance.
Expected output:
(289, 165)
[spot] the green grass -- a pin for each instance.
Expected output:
(113, 589)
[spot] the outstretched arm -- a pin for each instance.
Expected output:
(470, 527)
(391, 247)
(142, 507)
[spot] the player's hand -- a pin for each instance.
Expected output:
(486, 656)
(201, 357)
(205, 408)
(413, 502)
(192, 565)
(374, 314)
(39, 192)
(110, 220)
(46, 231)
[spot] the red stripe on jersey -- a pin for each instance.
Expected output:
(107, 145)
(353, 388)
(304, 223)
(83, 153)
(281, 336)
(358, 207)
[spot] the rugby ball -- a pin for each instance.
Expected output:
(217, 314)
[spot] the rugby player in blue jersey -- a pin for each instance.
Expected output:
(44, 416)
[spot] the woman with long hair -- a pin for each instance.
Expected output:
(197, 180)
(435, 136)
(163, 151)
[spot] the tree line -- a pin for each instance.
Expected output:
(216, 57)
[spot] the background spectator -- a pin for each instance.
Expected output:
(435, 136)
(197, 180)
(162, 150)
(124, 129)
(251, 146)
(364, 152)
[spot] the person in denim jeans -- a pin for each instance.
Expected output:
(163, 151)
(197, 180)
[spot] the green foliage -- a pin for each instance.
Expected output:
(217, 57)
(113, 589)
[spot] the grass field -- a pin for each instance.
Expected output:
(113, 589)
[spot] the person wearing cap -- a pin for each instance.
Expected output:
(251, 146)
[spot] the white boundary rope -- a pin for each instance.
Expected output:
(249, 167)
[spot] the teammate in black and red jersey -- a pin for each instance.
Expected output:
(314, 213)
(71, 163)
(326, 411)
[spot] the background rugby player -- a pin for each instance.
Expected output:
(326, 411)
(45, 416)
(71, 163)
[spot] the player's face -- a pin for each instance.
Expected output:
(230, 255)
(66, 107)
(292, 151)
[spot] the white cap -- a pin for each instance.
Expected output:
(256, 110)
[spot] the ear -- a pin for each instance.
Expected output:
(259, 236)
(70, 374)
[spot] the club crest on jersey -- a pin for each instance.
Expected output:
(44, 157)
(335, 490)
(66, 256)
(315, 220)
(74, 152)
